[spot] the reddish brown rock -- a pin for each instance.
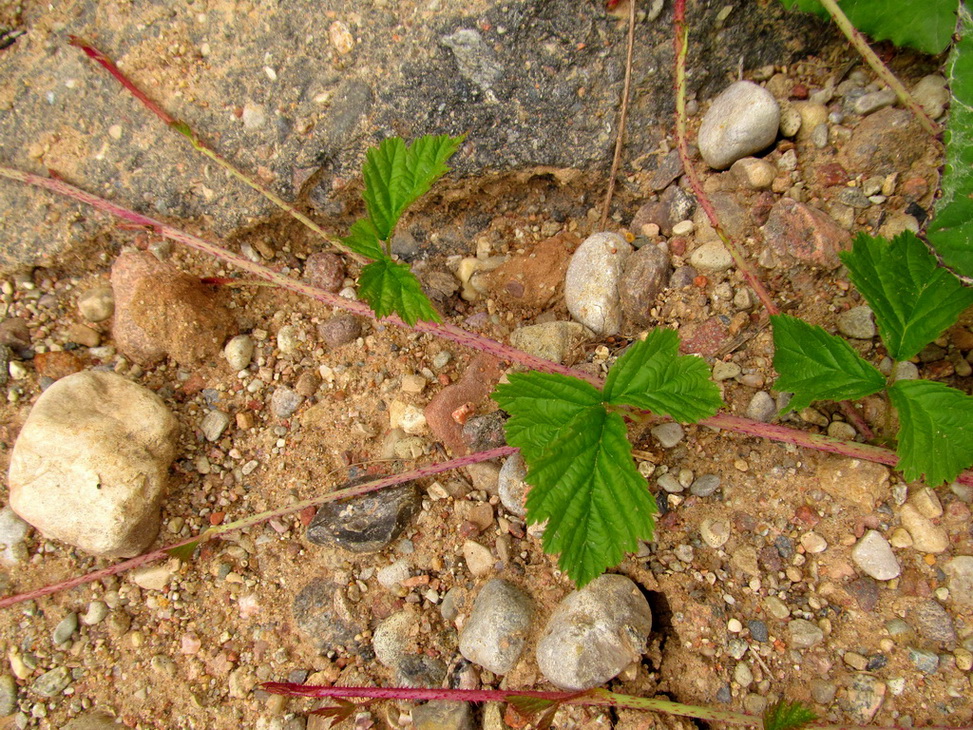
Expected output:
(889, 140)
(161, 311)
(535, 278)
(646, 274)
(705, 338)
(476, 384)
(805, 233)
(57, 365)
(325, 270)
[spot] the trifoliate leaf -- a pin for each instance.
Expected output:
(951, 231)
(363, 238)
(389, 286)
(925, 25)
(935, 430)
(815, 365)
(651, 374)
(396, 175)
(784, 715)
(579, 465)
(913, 299)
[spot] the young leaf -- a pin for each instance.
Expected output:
(363, 238)
(396, 175)
(527, 706)
(784, 715)
(951, 231)
(586, 486)
(340, 712)
(579, 464)
(541, 403)
(925, 25)
(652, 375)
(389, 286)
(914, 300)
(935, 430)
(815, 365)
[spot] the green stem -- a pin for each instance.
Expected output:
(882, 71)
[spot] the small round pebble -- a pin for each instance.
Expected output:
(714, 532)
(758, 630)
(857, 323)
(711, 256)
(668, 434)
(65, 629)
(238, 352)
(98, 304)
(874, 556)
(803, 634)
(284, 402)
(705, 485)
(214, 424)
(761, 407)
(340, 330)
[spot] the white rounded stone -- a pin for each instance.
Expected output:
(591, 283)
(741, 121)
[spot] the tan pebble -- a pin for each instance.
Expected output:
(927, 503)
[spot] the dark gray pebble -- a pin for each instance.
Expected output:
(324, 613)
(368, 523)
(705, 485)
(758, 630)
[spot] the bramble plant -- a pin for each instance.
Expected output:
(914, 302)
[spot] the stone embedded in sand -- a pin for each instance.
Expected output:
(161, 311)
(741, 121)
(592, 280)
(89, 466)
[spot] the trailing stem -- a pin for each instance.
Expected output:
(196, 141)
(590, 698)
(185, 548)
(882, 71)
(682, 37)
(452, 332)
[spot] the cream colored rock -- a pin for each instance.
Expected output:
(89, 467)
(591, 282)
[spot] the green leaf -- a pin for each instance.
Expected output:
(541, 403)
(925, 25)
(396, 175)
(913, 299)
(652, 375)
(579, 465)
(951, 231)
(784, 715)
(389, 286)
(935, 430)
(815, 365)
(363, 238)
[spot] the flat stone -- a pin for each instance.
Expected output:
(594, 633)
(742, 120)
(93, 720)
(857, 481)
(927, 536)
(512, 487)
(558, 342)
(368, 523)
(284, 402)
(864, 697)
(419, 670)
(645, 275)
(668, 434)
(13, 530)
(592, 281)
(932, 622)
(91, 463)
(857, 323)
(8, 695)
(960, 572)
(797, 230)
(481, 433)
(802, 634)
(443, 715)
(97, 304)
(214, 424)
(391, 638)
(711, 256)
(714, 533)
(874, 100)
(932, 95)
(496, 632)
(324, 613)
(887, 141)
(705, 485)
(926, 662)
(51, 683)
(473, 387)
(874, 556)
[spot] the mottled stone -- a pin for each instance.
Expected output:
(367, 523)
(860, 482)
(323, 612)
(805, 233)
(887, 141)
(496, 632)
(646, 273)
(803, 634)
(558, 342)
(594, 633)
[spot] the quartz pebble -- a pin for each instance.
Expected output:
(668, 434)
(711, 256)
(594, 633)
(715, 533)
(238, 352)
(927, 536)
(592, 280)
(742, 120)
(214, 424)
(874, 557)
